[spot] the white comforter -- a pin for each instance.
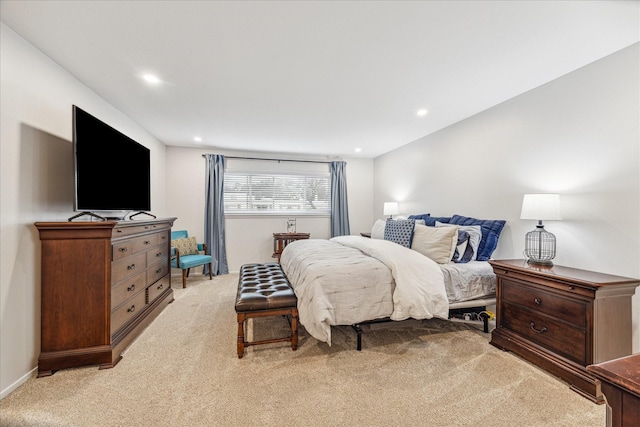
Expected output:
(351, 279)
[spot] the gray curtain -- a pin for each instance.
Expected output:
(214, 214)
(339, 206)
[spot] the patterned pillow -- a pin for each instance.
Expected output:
(475, 236)
(186, 246)
(399, 231)
(490, 233)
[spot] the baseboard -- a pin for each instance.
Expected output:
(23, 379)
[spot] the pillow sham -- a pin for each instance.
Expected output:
(491, 230)
(475, 236)
(377, 231)
(431, 220)
(186, 246)
(437, 243)
(399, 231)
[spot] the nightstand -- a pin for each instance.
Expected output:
(563, 319)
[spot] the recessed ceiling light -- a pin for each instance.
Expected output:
(151, 79)
(422, 112)
(197, 139)
(357, 150)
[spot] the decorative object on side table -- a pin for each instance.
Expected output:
(540, 245)
(391, 209)
(563, 319)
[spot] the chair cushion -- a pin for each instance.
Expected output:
(189, 261)
(186, 246)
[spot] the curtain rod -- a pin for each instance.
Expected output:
(274, 160)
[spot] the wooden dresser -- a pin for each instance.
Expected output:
(563, 319)
(102, 284)
(281, 240)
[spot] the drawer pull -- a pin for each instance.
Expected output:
(160, 287)
(538, 331)
(158, 270)
(537, 301)
(131, 309)
(118, 231)
(131, 288)
(158, 254)
(131, 267)
(122, 250)
(147, 242)
(571, 288)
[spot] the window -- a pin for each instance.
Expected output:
(271, 193)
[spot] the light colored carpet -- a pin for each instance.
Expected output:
(184, 371)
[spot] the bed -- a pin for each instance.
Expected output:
(352, 280)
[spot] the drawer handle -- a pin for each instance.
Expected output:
(118, 231)
(538, 331)
(158, 270)
(131, 267)
(123, 249)
(537, 301)
(131, 309)
(131, 288)
(160, 287)
(571, 288)
(158, 254)
(147, 242)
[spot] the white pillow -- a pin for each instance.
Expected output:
(436, 243)
(377, 231)
(475, 235)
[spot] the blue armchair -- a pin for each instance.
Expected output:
(191, 255)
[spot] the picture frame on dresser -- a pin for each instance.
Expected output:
(102, 284)
(563, 319)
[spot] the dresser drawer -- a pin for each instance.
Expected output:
(127, 311)
(156, 271)
(155, 290)
(145, 242)
(128, 267)
(136, 229)
(156, 254)
(546, 331)
(127, 288)
(571, 311)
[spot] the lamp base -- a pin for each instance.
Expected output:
(540, 262)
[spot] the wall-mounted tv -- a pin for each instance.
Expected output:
(112, 171)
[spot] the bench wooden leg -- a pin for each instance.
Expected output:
(241, 319)
(294, 329)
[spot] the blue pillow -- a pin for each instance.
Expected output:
(431, 220)
(491, 230)
(399, 231)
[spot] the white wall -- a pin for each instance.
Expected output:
(249, 238)
(578, 136)
(37, 185)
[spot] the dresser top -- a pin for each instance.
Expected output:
(623, 372)
(558, 272)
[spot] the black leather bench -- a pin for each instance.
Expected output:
(263, 290)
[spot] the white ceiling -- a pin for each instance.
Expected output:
(317, 77)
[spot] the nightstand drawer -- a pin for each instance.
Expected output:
(571, 311)
(546, 331)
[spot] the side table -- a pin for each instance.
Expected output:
(281, 240)
(620, 382)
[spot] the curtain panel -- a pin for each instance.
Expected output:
(214, 233)
(339, 205)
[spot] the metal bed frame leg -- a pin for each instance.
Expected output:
(358, 330)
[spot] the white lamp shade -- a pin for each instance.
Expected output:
(541, 207)
(391, 208)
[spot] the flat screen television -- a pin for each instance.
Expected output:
(112, 171)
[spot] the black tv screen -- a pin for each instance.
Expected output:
(112, 171)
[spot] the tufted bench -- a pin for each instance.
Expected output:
(263, 290)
